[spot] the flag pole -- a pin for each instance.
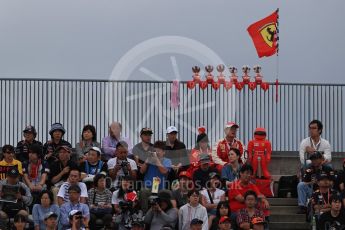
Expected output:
(277, 57)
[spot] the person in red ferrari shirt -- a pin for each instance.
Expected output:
(220, 151)
(238, 188)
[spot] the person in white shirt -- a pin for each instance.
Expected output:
(120, 165)
(73, 179)
(212, 195)
(314, 143)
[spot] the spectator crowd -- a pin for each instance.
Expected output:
(158, 184)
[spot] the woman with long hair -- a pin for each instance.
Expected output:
(223, 209)
(126, 185)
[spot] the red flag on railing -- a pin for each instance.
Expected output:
(265, 35)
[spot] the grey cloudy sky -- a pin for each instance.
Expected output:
(87, 39)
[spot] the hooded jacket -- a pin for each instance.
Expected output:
(188, 213)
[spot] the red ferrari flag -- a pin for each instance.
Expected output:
(265, 35)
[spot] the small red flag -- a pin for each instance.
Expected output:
(264, 35)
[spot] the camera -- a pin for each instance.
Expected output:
(152, 154)
(124, 165)
(154, 200)
(125, 205)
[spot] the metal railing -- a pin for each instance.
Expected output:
(138, 104)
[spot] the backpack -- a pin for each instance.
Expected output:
(287, 184)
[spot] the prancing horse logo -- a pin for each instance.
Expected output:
(268, 32)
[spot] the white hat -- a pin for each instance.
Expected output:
(231, 124)
(171, 129)
(94, 148)
(74, 212)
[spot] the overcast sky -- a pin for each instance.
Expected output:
(92, 39)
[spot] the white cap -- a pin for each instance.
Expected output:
(94, 148)
(74, 212)
(231, 124)
(171, 129)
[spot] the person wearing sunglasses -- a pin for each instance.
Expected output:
(8, 161)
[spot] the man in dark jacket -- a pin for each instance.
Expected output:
(22, 149)
(49, 149)
(176, 151)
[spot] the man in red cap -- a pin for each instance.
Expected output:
(220, 152)
(185, 184)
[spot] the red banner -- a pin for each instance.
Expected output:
(264, 35)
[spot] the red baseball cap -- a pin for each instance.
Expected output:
(231, 124)
(185, 174)
(224, 219)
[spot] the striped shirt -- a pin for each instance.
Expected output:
(96, 197)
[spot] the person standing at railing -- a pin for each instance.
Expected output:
(49, 149)
(314, 143)
(22, 149)
(220, 151)
(115, 136)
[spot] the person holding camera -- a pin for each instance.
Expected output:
(121, 165)
(129, 211)
(308, 184)
(118, 195)
(320, 199)
(161, 212)
(77, 220)
(314, 143)
(156, 165)
(66, 222)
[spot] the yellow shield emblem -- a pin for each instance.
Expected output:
(268, 32)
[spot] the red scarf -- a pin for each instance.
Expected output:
(34, 169)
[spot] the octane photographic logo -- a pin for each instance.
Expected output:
(133, 60)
